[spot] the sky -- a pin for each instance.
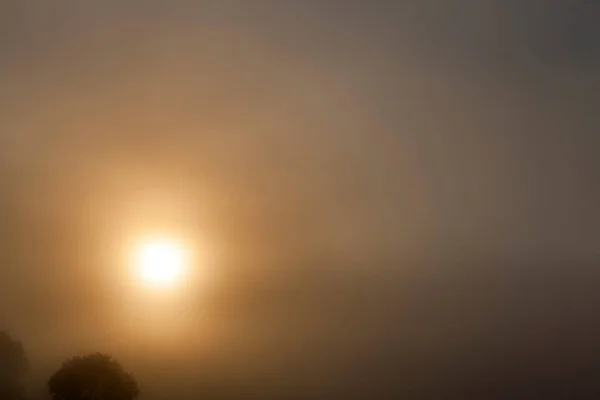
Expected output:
(389, 196)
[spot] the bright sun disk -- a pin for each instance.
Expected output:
(161, 262)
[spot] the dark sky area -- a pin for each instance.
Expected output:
(400, 198)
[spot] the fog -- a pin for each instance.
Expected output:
(394, 197)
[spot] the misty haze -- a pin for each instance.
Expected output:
(312, 199)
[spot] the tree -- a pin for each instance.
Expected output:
(13, 367)
(93, 377)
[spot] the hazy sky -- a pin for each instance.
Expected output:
(383, 187)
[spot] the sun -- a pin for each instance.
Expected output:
(161, 262)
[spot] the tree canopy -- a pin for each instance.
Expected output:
(93, 377)
(13, 367)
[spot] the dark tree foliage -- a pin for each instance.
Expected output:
(93, 377)
(13, 367)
